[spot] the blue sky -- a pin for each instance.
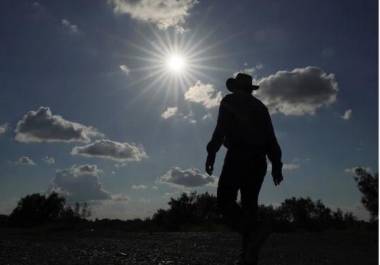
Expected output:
(89, 108)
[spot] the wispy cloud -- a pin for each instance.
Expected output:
(186, 178)
(291, 166)
(347, 115)
(139, 187)
(204, 94)
(25, 161)
(352, 170)
(3, 128)
(162, 13)
(169, 112)
(125, 69)
(112, 150)
(49, 160)
(69, 26)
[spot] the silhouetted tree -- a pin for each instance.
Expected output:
(298, 211)
(368, 186)
(188, 209)
(37, 209)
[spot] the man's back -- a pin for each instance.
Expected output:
(244, 124)
(248, 128)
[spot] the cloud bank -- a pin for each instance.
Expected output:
(298, 92)
(42, 126)
(162, 13)
(108, 149)
(204, 94)
(186, 178)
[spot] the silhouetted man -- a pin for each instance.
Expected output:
(245, 128)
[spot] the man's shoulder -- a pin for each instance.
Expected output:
(258, 102)
(238, 99)
(229, 98)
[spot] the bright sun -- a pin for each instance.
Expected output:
(176, 63)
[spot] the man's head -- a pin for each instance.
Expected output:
(241, 82)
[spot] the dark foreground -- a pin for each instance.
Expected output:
(334, 247)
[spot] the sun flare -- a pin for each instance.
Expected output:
(172, 62)
(176, 63)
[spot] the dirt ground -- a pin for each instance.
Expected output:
(333, 247)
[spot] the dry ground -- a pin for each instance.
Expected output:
(333, 247)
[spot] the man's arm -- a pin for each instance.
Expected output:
(219, 133)
(274, 152)
(218, 136)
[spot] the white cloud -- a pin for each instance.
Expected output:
(125, 69)
(42, 126)
(298, 92)
(186, 178)
(113, 150)
(347, 114)
(70, 26)
(169, 112)
(3, 128)
(139, 187)
(154, 188)
(49, 160)
(79, 183)
(162, 13)
(172, 112)
(25, 161)
(204, 94)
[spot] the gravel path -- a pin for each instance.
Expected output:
(184, 248)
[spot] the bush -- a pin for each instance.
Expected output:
(38, 209)
(368, 185)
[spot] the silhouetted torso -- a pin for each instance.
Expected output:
(244, 124)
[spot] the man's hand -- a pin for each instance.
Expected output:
(210, 163)
(277, 176)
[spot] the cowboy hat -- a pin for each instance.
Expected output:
(241, 81)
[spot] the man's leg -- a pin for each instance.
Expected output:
(251, 185)
(232, 214)
(228, 186)
(228, 207)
